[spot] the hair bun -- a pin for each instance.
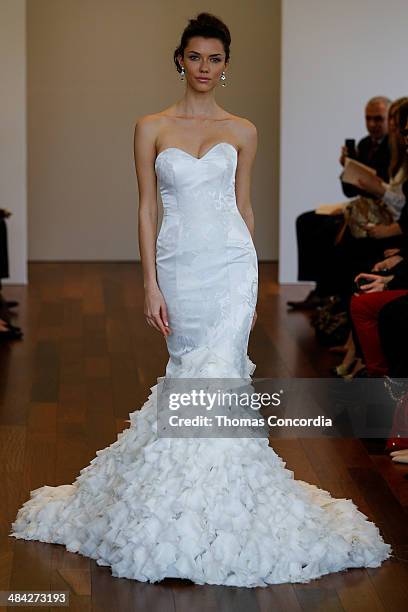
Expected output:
(207, 18)
(210, 20)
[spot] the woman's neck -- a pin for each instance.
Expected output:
(197, 105)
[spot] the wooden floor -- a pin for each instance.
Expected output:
(88, 359)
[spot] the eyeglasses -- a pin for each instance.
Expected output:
(376, 118)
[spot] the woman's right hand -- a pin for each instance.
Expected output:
(155, 310)
(388, 263)
(391, 252)
(343, 155)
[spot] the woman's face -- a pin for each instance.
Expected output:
(203, 61)
(404, 134)
(392, 125)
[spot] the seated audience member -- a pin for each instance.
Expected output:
(363, 355)
(7, 330)
(316, 233)
(393, 317)
(360, 254)
(354, 255)
(367, 310)
(391, 192)
(366, 307)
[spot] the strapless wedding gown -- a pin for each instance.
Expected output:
(218, 511)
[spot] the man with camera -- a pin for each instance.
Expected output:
(316, 233)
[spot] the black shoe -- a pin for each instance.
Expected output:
(13, 327)
(7, 303)
(11, 334)
(313, 300)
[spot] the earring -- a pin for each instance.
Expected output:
(182, 73)
(223, 79)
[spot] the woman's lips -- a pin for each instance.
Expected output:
(202, 79)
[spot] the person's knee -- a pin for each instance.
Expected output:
(304, 219)
(360, 306)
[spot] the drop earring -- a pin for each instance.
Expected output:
(223, 79)
(182, 73)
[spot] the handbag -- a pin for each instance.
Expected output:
(331, 323)
(362, 211)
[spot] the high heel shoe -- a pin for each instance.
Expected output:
(358, 372)
(343, 370)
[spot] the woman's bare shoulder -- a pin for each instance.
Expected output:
(149, 123)
(155, 119)
(245, 131)
(244, 126)
(148, 128)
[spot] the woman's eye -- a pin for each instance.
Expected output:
(195, 57)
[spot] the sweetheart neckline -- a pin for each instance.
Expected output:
(193, 156)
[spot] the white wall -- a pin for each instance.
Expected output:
(94, 67)
(13, 185)
(335, 55)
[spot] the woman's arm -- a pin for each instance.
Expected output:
(145, 154)
(395, 200)
(390, 193)
(248, 143)
(381, 231)
(248, 140)
(400, 276)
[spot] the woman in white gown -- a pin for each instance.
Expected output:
(217, 511)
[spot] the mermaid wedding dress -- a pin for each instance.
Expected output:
(218, 511)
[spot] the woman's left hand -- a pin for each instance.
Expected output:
(378, 283)
(373, 185)
(378, 231)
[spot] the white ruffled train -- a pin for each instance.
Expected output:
(215, 511)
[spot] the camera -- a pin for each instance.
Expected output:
(350, 145)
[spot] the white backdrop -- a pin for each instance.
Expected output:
(335, 55)
(13, 148)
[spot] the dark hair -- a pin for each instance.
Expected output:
(208, 26)
(403, 115)
(397, 145)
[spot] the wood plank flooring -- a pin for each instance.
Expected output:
(88, 359)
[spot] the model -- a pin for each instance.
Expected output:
(220, 511)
